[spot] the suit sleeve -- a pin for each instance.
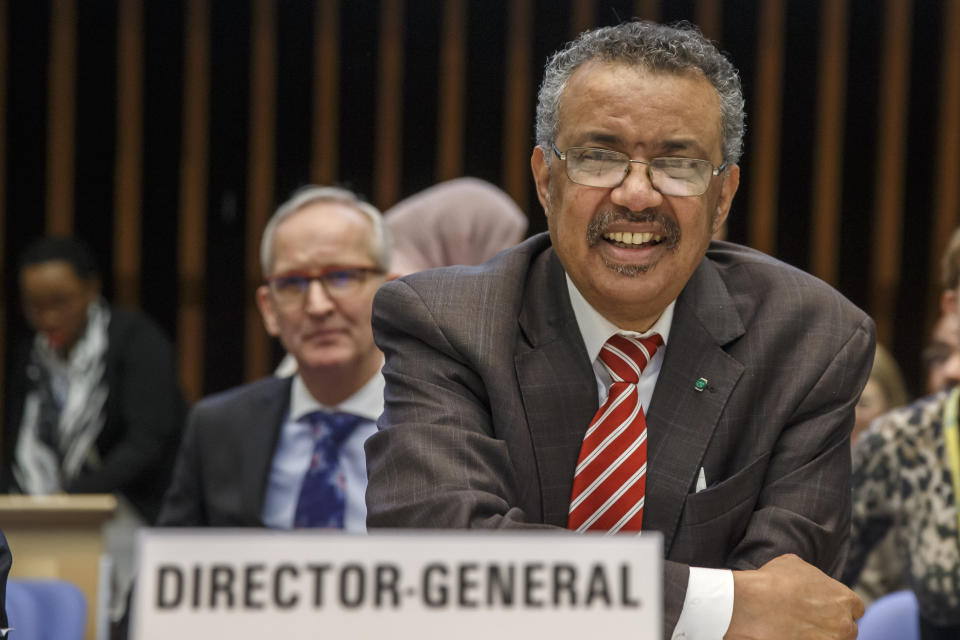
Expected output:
(804, 506)
(875, 497)
(436, 461)
(183, 502)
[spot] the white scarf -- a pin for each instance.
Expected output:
(65, 409)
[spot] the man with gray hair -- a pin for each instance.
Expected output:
(288, 452)
(623, 373)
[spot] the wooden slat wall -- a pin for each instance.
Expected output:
(61, 116)
(518, 85)
(128, 172)
(261, 159)
(765, 152)
(389, 157)
(710, 18)
(326, 93)
(583, 17)
(647, 9)
(828, 149)
(891, 154)
(192, 228)
(521, 48)
(452, 83)
(947, 187)
(3, 197)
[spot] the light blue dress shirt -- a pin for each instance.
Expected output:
(295, 446)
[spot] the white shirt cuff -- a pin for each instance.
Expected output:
(708, 605)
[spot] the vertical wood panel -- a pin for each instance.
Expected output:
(261, 160)
(710, 18)
(647, 9)
(518, 82)
(192, 228)
(764, 183)
(453, 55)
(389, 157)
(61, 116)
(947, 188)
(4, 265)
(129, 157)
(889, 187)
(828, 151)
(326, 92)
(583, 17)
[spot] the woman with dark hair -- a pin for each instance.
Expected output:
(92, 401)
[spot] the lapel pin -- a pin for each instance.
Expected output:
(701, 384)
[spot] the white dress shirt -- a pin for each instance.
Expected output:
(708, 605)
(295, 446)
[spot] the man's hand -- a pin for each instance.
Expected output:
(789, 599)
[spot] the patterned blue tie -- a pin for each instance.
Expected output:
(321, 501)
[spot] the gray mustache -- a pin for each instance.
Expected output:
(668, 227)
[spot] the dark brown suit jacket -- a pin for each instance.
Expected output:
(489, 392)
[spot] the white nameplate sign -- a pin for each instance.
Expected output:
(244, 584)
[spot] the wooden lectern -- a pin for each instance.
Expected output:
(59, 536)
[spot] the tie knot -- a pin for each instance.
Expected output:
(625, 357)
(336, 426)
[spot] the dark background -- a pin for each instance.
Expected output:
(225, 294)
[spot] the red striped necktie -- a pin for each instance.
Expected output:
(611, 475)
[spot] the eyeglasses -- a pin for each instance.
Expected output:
(290, 288)
(608, 169)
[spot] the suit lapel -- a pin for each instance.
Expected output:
(556, 381)
(681, 420)
(259, 444)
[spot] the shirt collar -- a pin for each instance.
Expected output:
(367, 402)
(596, 330)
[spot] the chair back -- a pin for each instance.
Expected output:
(894, 616)
(46, 609)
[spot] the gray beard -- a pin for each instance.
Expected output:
(598, 226)
(629, 270)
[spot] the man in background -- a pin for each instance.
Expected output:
(718, 386)
(288, 452)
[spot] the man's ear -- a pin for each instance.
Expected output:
(731, 182)
(267, 311)
(541, 176)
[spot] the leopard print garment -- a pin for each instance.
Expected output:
(901, 479)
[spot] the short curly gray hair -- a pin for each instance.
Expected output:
(676, 48)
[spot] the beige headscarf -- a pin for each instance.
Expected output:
(461, 221)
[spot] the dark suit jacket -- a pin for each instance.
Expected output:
(5, 562)
(145, 411)
(489, 392)
(221, 474)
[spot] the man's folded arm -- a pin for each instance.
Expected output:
(804, 505)
(435, 463)
(799, 531)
